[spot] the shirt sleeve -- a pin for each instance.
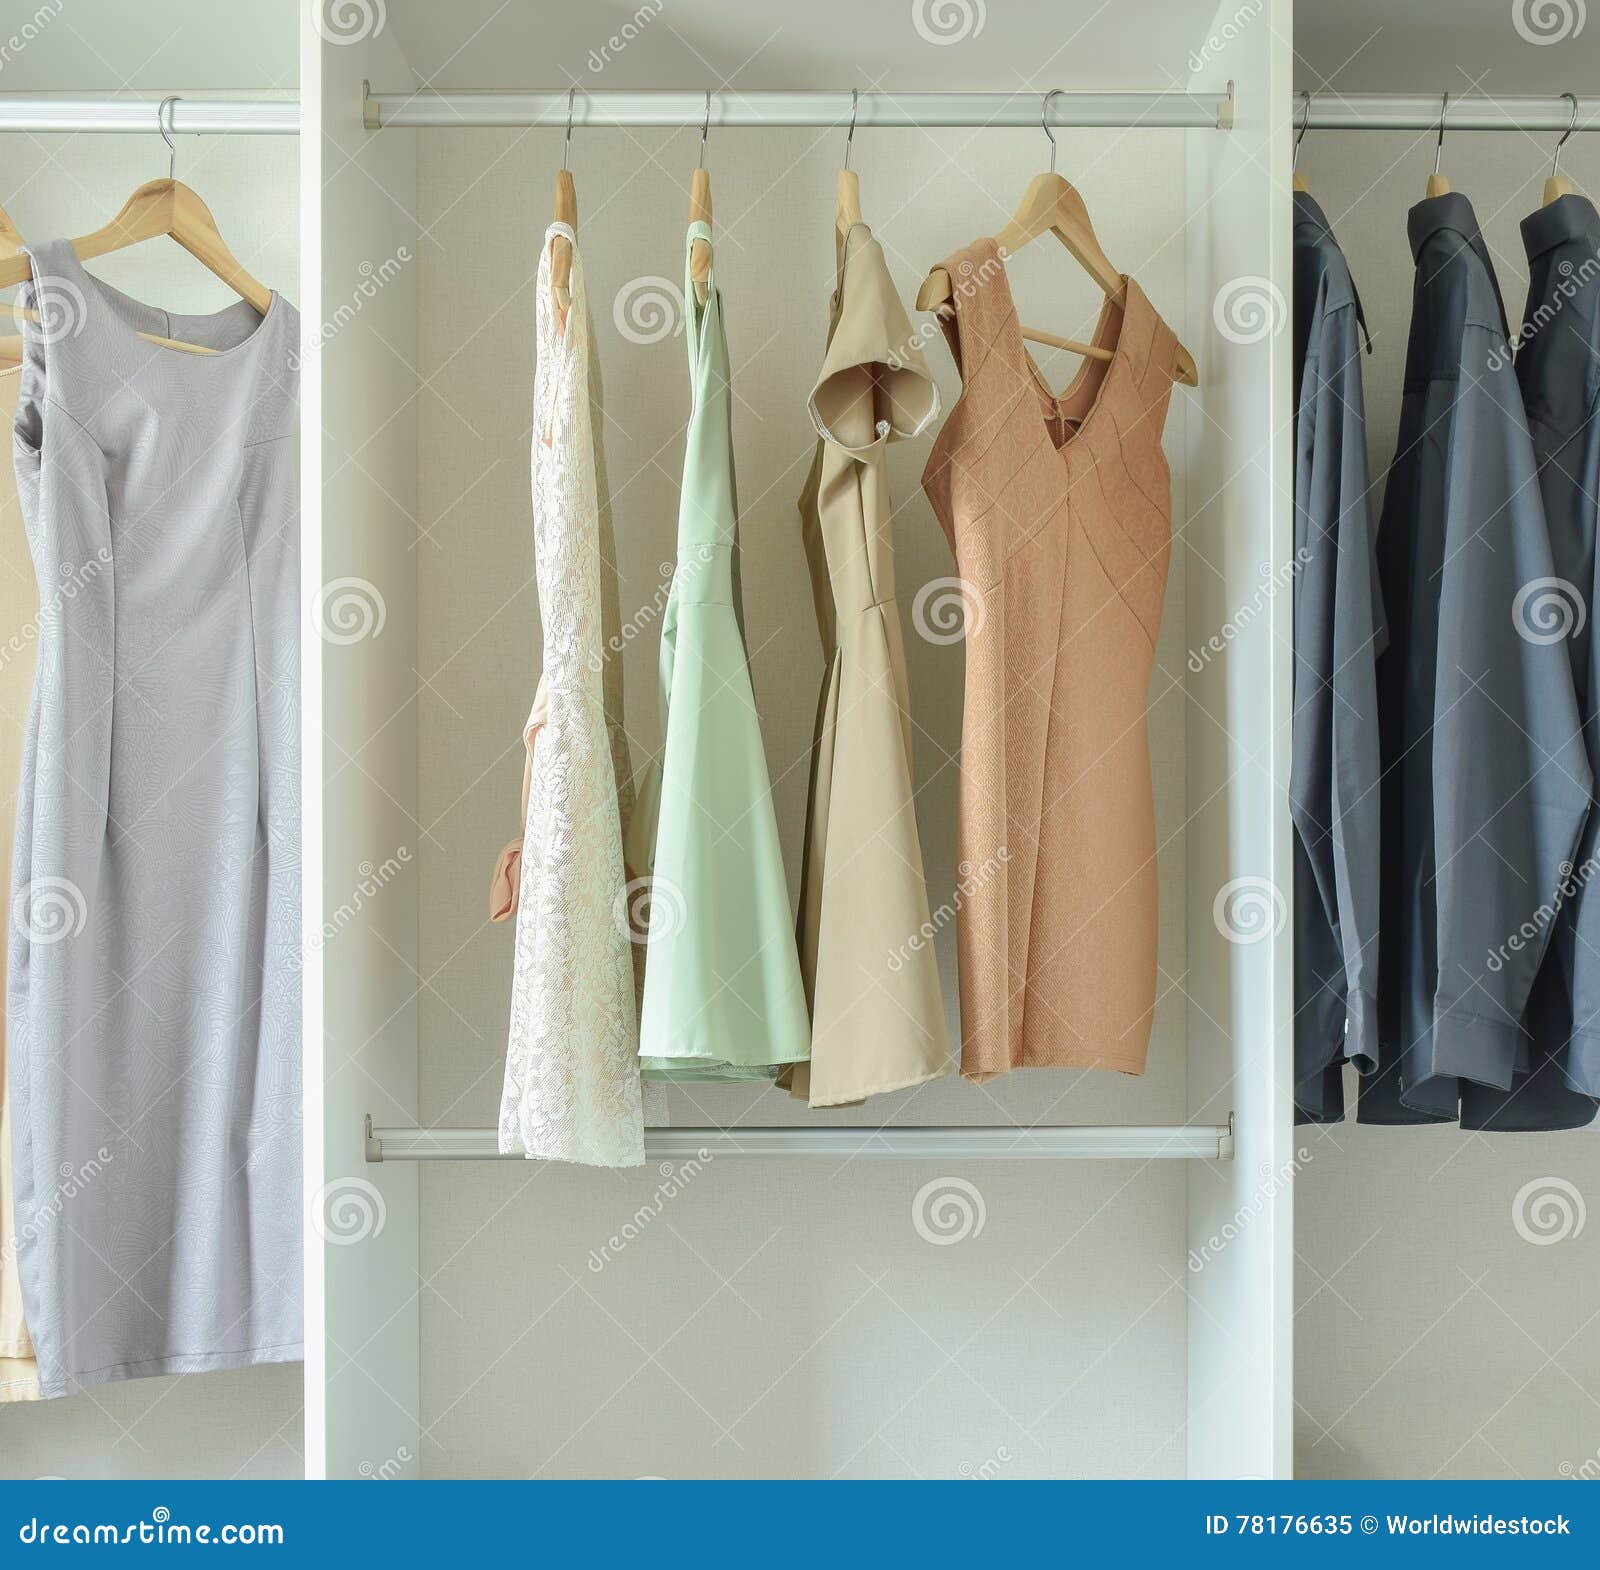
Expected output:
(1334, 797)
(1510, 773)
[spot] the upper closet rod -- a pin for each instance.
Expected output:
(188, 116)
(1420, 112)
(779, 108)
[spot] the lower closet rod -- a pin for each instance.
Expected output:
(1086, 1142)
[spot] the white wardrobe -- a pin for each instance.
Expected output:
(750, 1315)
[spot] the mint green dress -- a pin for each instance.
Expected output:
(723, 998)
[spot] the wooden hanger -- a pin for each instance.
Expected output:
(566, 212)
(10, 244)
(1438, 185)
(1298, 183)
(1051, 205)
(700, 212)
(161, 208)
(1558, 185)
(847, 201)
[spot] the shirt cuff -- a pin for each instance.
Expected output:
(1361, 1031)
(1468, 1046)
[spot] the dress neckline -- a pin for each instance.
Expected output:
(104, 295)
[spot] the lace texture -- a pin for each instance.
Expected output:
(572, 1072)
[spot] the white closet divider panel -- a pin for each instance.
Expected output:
(362, 391)
(1240, 623)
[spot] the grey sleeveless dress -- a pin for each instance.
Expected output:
(153, 996)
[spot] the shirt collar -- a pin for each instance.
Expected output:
(1433, 213)
(1454, 212)
(1570, 217)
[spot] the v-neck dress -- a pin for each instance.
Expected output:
(877, 1017)
(1059, 514)
(723, 998)
(153, 995)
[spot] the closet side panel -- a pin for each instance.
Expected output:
(1240, 603)
(361, 349)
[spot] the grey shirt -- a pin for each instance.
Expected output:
(1338, 633)
(1558, 368)
(1486, 783)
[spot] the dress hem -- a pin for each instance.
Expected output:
(178, 1363)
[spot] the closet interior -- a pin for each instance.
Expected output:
(1053, 1273)
(1443, 1318)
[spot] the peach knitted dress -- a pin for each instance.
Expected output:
(1059, 513)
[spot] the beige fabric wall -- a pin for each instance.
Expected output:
(770, 1318)
(213, 1425)
(1432, 1337)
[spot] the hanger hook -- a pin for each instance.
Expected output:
(1572, 125)
(1305, 125)
(1438, 151)
(850, 135)
(566, 147)
(705, 127)
(1044, 121)
(164, 124)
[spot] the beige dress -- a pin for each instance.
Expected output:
(871, 975)
(19, 609)
(1059, 512)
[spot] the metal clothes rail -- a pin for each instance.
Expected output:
(1420, 112)
(770, 107)
(1175, 1142)
(183, 116)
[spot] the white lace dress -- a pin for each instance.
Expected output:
(572, 1066)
